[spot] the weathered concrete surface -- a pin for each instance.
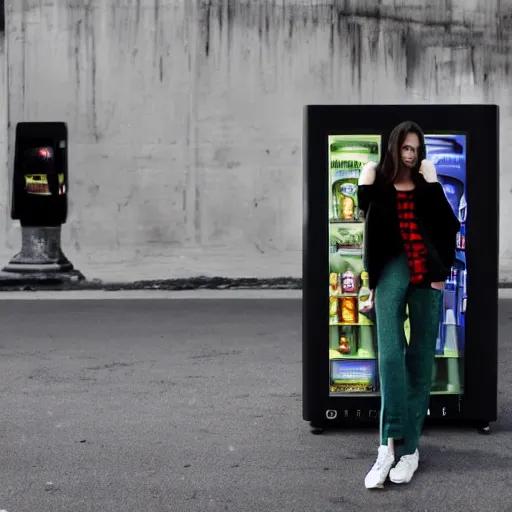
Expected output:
(185, 116)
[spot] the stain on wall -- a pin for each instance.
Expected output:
(401, 29)
(185, 115)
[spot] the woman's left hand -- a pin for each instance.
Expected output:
(429, 171)
(438, 285)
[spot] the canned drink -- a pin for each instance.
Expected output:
(463, 208)
(348, 282)
(464, 279)
(461, 242)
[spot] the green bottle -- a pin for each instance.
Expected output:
(364, 291)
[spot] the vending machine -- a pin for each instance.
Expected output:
(340, 363)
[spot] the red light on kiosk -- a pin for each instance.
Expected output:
(44, 153)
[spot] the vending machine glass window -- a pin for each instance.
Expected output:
(352, 340)
(352, 334)
(448, 153)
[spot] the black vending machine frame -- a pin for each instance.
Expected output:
(480, 124)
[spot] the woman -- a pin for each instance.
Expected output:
(410, 243)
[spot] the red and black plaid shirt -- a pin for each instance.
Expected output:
(411, 235)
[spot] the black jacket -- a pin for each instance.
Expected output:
(438, 224)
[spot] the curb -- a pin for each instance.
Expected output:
(184, 284)
(193, 283)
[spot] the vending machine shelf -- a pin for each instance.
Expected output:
(354, 357)
(353, 394)
(351, 324)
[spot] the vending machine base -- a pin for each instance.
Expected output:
(482, 426)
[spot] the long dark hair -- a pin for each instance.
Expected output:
(390, 164)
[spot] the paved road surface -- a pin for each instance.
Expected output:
(171, 405)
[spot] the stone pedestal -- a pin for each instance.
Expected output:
(40, 259)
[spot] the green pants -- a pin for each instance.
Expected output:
(405, 369)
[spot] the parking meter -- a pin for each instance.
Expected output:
(40, 177)
(40, 203)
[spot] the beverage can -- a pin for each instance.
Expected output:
(461, 242)
(348, 310)
(349, 282)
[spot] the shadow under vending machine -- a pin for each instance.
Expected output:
(340, 345)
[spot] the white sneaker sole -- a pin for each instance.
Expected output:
(378, 484)
(405, 480)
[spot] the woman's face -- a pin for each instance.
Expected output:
(409, 150)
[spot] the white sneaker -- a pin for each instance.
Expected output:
(380, 470)
(403, 472)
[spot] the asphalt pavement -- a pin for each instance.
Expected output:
(195, 405)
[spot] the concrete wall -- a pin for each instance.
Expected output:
(185, 115)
